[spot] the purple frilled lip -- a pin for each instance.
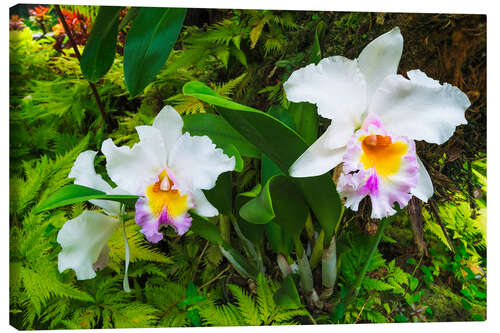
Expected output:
(356, 182)
(151, 224)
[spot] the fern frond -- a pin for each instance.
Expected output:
(246, 306)
(186, 104)
(223, 315)
(227, 89)
(265, 299)
(283, 317)
(139, 248)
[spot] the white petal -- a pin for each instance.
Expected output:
(424, 189)
(132, 169)
(170, 123)
(82, 239)
(337, 87)
(84, 173)
(196, 162)
(202, 206)
(318, 158)
(380, 58)
(420, 108)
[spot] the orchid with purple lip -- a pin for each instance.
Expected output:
(169, 170)
(376, 116)
(166, 168)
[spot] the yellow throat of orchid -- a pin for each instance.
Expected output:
(380, 152)
(161, 196)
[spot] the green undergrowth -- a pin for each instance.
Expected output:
(186, 281)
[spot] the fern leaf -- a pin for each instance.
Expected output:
(246, 306)
(265, 299)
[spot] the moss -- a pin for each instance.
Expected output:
(447, 306)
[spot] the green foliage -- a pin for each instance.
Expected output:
(248, 310)
(243, 57)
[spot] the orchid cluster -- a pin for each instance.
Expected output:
(168, 169)
(376, 116)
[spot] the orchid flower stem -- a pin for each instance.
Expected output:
(126, 286)
(354, 291)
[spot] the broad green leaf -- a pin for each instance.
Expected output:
(305, 118)
(205, 229)
(230, 150)
(268, 167)
(253, 232)
(282, 145)
(239, 263)
(280, 241)
(219, 131)
(287, 296)
(73, 193)
(221, 194)
(338, 312)
(148, 45)
(131, 14)
(280, 200)
(99, 53)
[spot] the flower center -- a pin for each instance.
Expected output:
(381, 153)
(163, 198)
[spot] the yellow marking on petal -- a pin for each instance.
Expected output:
(172, 200)
(380, 152)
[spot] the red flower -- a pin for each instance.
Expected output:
(16, 23)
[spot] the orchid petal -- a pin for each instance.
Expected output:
(202, 206)
(337, 86)
(196, 162)
(170, 123)
(131, 169)
(424, 189)
(420, 108)
(82, 240)
(380, 58)
(318, 158)
(84, 173)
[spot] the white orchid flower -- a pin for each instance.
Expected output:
(169, 170)
(84, 239)
(376, 116)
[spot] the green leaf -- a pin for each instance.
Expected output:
(315, 55)
(148, 45)
(239, 263)
(305, 118)
(231, 150)
(219, 131)
(73, 193)
(194, 317)
(254, 232)
(280, 241)
(282, 145)
(287, 296)
(411, 261)
(413, 283)
(280, 200)
(221, 194)
(401, 319)
(131, 14)
(338, 312)
(205, 229)
(99, 53)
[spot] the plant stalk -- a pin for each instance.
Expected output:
(77, 53)
(354, 291)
